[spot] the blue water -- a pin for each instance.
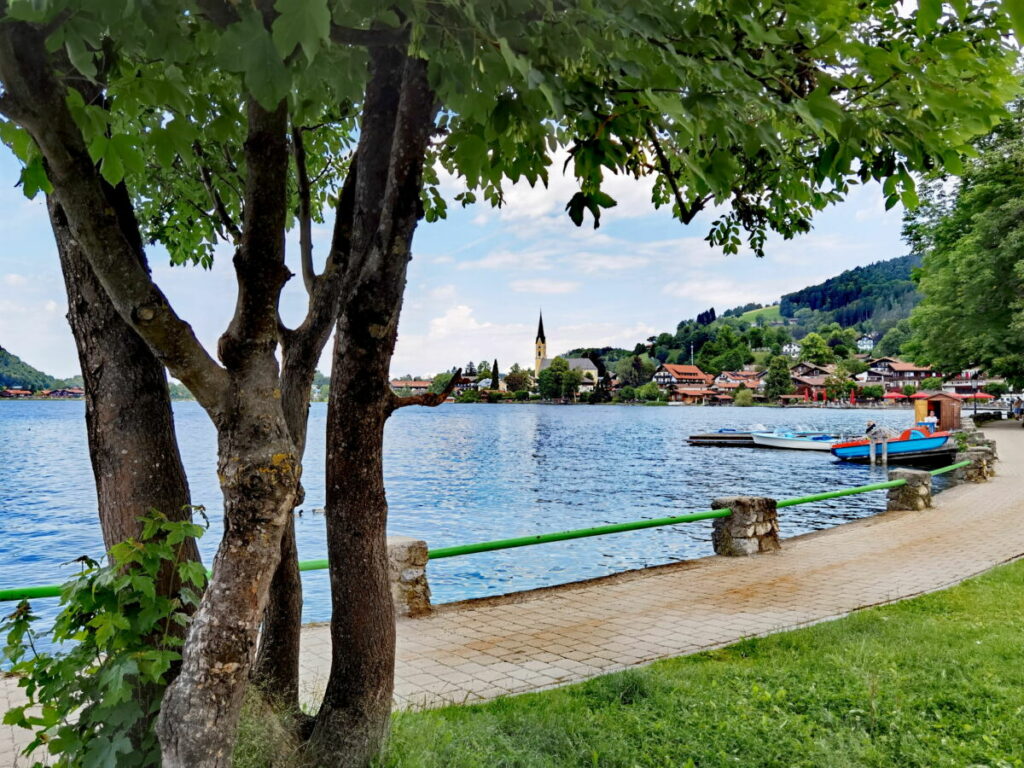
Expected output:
(458, 474)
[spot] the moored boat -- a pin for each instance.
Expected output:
(916, 440)
(794, 441)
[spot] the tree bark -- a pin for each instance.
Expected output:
(132, 444)
(353, 719)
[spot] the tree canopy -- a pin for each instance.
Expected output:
(972, 276)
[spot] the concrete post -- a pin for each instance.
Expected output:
(981, 468)
(915, 495)
(407, 573)
(752, 527)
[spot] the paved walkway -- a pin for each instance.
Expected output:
(483, 649)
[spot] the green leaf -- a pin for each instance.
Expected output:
(247, 47)
(928, 13)
(1015, 9)
(33, 178)
(301, 22)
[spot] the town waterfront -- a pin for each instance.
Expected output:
(458, 474)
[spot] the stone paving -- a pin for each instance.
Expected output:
(483, 649)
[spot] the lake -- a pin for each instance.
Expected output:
(460, 474)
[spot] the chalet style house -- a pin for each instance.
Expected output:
(894, 374)
(688, 376)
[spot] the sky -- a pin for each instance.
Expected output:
(479, 278)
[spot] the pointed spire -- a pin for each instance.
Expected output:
(540, 329)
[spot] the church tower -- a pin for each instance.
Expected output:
(540, 347)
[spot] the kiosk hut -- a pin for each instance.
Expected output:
(945, 408)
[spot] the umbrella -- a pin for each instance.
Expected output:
(978, 396)
(921, 395)
(894, 396)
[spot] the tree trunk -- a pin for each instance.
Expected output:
(353, 719)
(132, 444)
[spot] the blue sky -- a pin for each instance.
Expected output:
(478, 279)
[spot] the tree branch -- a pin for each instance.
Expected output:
(305, 218)
(385, 36)
(251, 337)
(218, 202)
(686, 213)
(429, 399)
(27, 74)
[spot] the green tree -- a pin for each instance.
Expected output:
(997, 388)
(777, 380)
(891, 344)
(440, 382)
(931, 383)
(767, 116)
(627, 394)
(522, 395)
(636, 370)
(648, 391)
(744, 398)
(468, 396)
(909, 389)
(518, 378)
(551, 381)
(814, 349)
(972, 274)
(872, 392)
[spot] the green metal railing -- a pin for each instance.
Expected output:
(25, 593)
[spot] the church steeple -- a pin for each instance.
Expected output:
(540, 347)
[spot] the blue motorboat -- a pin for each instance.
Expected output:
(914, 440)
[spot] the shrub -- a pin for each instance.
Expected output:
(648, 391)
(522, 395)
(744, 398)
(468, 396)
(627, 393)
(93, 701)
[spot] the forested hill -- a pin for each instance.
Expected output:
(17, 374)
(877, 295)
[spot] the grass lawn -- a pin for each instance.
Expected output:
(935, 681)
(770, 314)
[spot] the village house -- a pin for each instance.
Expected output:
(894, 374)
(689, 377)
(866, 343)
(692, 395)
(969, 381)
(811, 369)
(728, 381)
(413, 386)
(792, 349)
(15, 393)
(810, 387)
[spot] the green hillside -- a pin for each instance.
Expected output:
(873, 298)
(15, 373)
(764, 314)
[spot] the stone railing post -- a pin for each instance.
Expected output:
(915, 495)
(407, 573)
(981, 468)
(752, 527)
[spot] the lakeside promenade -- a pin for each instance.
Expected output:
(528, 641)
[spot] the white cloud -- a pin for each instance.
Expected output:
(456, 336)
(594, 263)
(15, 280)
(442, 292)
(51, 306)
(527, 259)
(544, 286)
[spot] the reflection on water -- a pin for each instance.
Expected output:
(459, 474)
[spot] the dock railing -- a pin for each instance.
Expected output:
(27, 593)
